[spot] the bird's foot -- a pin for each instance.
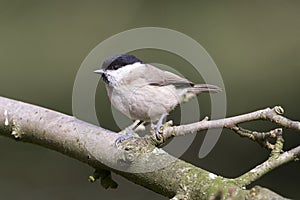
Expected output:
(129, 134)
(159, 125)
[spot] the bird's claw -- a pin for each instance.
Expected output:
(158, 131)
(120, 139)
(159, 125)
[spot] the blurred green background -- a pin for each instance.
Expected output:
(255, 44)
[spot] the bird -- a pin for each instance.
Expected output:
(144, 92)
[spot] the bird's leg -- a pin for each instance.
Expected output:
(134, 125)
(129, 134)
(159, 125)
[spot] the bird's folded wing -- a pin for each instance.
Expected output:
(160, 77)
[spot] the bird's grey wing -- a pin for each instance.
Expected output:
(160, 77)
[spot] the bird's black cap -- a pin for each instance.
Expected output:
(117, 61)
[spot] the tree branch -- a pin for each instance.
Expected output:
(137, 159)
(273, 115)
(262, 138)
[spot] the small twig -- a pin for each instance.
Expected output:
(262, 138)
(278, 146)
(276, 159)
(105, 179)
(273, 115)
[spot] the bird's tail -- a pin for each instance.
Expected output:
(198, 88)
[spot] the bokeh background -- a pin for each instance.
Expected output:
(255, 44)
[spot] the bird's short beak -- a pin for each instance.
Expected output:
(99, 71)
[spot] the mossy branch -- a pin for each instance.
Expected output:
(139, 161)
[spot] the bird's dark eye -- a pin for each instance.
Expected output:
(115, 67)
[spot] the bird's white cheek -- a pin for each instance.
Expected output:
(111, 81)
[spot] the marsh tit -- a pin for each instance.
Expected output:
(144, 92)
